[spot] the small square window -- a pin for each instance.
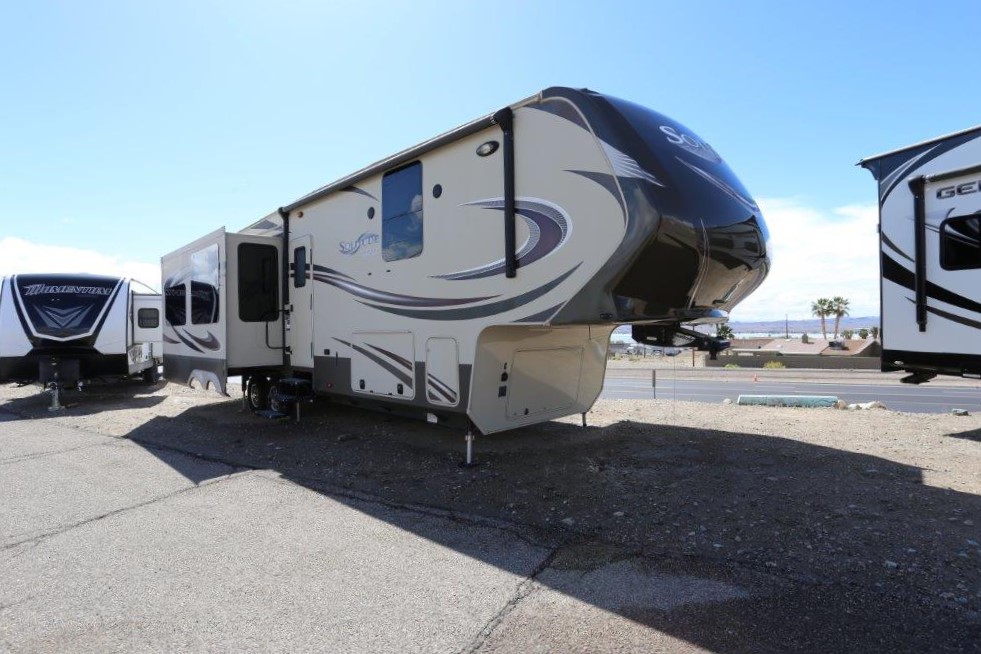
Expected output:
(148, 318)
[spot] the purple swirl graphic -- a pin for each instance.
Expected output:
(548, 228)
(396, 299)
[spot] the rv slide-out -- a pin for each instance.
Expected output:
(475, 278)
(930, 256)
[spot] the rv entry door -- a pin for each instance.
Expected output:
(147, 320)
(301, 297)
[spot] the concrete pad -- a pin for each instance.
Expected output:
(42, 494)
(21, 437)
(254, 563)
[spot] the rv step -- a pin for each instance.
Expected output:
(292, 399)
(272, 414)
(294, 389)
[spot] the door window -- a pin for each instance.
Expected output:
(300, 267)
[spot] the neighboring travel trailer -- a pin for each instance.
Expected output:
(476, 277)
(62, 329)
(930, 256)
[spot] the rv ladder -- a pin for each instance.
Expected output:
(505, 119)
(918, 186)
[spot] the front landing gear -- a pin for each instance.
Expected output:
(55, 389)
(471, 435)
(469, 448)
(55, 373)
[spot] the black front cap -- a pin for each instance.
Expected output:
(63, 307)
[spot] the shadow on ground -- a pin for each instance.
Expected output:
(803, 548)
(971, 435)
(96, 397)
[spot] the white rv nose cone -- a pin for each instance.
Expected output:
(487, 149)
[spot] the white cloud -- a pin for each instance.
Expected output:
(816, 254)
(20, 256)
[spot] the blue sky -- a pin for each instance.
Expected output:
(129, 129)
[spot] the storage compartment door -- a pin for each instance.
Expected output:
(544, 381)
(442, 372)
(383, 363)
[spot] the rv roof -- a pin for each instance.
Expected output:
(58, 277)
(403, 157)
(938, 139)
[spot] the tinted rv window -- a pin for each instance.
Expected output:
(402, 213)
(204, 286)
(148, 318)
(960, 243)
(299, 267)
(258, 282)
(175, 309)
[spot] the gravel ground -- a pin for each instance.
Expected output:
(869, 517)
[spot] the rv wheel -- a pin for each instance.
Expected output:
(258, 394)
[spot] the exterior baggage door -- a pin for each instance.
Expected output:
(301, 297)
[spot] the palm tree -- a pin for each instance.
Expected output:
(839, 308)
(821, 308)
(724, 331)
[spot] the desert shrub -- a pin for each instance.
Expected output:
(863, 333)
(731, 365)
(772, 365)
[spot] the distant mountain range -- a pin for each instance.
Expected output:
(810, 326)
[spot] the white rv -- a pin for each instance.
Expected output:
(930, 256)
(476, 277)
(64, 328)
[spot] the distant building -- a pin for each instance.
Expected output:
(817, 346)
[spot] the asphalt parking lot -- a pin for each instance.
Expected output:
(106, 546)
(109, 546)
(208, 530)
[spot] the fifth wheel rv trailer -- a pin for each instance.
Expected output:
(477, 277)
(930, 256)
(64, 328)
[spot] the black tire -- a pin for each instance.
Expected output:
(257, 393)
(151, 376)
